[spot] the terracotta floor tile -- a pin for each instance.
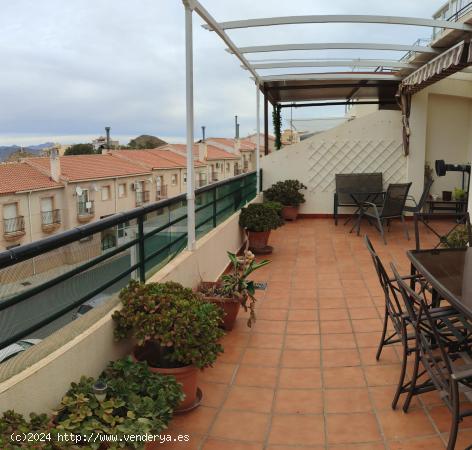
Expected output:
(308, 294)
(334, 314)
(196, 421)
(397, 425)
(304, 303)
(218, 444)
(253, 399)
(232, 354)
(213, 393)
(364, 313)
(301, 358)
(363, 446)
(340, 358)
(338, 341)
(256, 376)
(347, 400)
(335, 326)
(382, 375)
(427, 443)
(264, 340)
(303, 401)
(464, 439)
(359, 302)
(388, 356)
(368, 339)
(352, 428)
(269, 326)
(329, 303)
(275, 303)
(366, 325)
(303, 327)
(303, 314)
(300, 378)
(442, 418)
(343, 377)
(272, 314)
(302, 342)
(297, 430)
(228, 426)
(268, 357)
(220, 373)
(235, 338)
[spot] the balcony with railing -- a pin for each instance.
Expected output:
(85, 211)
(142, 197)
(161, 192)
(452, 11)
(200, 182)
(13, 228)
(214, 177)
(50, 220)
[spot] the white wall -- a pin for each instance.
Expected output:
(371, 143)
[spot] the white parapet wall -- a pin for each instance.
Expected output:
(40, 386)
(371, 143)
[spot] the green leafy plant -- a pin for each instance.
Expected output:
(171, 322)
(459, 238)
(137, 401)
(258, 217)
(236, 283)
(459, 194)
(277, 206)
(277, 122)
(286, 192)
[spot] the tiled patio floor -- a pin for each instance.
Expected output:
(306, 376)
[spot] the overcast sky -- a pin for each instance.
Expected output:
(69, 68)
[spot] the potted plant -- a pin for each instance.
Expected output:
(175, 332)
(135, 401)
(288, 194)
(459, 194)
(258, 220)
(235, 289)
(277, 206)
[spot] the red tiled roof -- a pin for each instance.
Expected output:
(213, 153)
(176, 153)
(148, 158)
(19, 177)
(91, 167)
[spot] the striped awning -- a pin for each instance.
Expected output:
(451, 61)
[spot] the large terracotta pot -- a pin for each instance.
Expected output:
(186, 375)
(290, 212)
(230, 306)
(258, 239)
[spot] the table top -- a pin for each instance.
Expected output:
(450, 273)
(439, 200)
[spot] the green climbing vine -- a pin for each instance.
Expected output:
(277, 122)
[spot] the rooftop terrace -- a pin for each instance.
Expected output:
(306, 376)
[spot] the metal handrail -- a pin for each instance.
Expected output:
(242, 189)
(51, 217)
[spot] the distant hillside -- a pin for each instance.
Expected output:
(146, 141)
(35, 150)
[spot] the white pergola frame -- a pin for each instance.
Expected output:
(220, 29)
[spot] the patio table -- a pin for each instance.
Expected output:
(449, 271)
(359, 198)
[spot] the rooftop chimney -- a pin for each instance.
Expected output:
(202, 150)
(107, 130)
(203, 134)
(55, 165)
(236, 127)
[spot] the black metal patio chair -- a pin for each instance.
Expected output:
(393, 208)
(417, 207)
(443, 349)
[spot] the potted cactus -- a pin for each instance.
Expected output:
(235, 289)
(288, 194)
(175, 332)
(258, 220)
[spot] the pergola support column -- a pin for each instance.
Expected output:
(190, 127)
(258, 142)
(266, 122)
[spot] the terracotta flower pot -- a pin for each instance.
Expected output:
(187, 376)
(258, 239)
(230, 306)
(290, 212)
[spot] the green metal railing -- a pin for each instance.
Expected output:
(44, 282)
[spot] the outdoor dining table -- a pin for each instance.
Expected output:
(359, 199)
(449, 271)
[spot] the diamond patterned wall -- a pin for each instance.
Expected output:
(326, 158)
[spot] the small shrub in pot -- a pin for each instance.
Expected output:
(259, 220)
(289, 194)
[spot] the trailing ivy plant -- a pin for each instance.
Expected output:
(259, 217)
(277, 122)
(286, 192)
(459, 238)
(170, 324)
